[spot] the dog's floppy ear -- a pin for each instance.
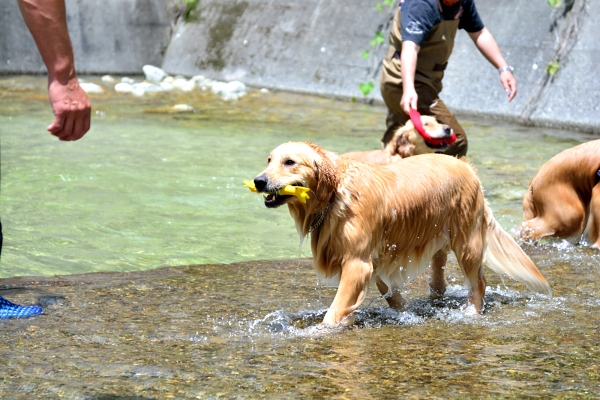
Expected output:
(400, 143)
(326, 175)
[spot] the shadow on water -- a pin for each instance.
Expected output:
(234, 327)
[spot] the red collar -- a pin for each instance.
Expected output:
(415, 117)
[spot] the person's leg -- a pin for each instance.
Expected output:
(12, 310)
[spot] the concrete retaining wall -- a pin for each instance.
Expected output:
(108, 36)
(316, 46)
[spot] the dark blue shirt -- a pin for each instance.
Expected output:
(419, 16)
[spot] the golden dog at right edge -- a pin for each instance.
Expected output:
(563, 199)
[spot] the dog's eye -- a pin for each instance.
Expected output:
(289, 162)
(268, 160)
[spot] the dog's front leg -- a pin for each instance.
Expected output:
(352, 290)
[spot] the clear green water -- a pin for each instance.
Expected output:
(145, 189)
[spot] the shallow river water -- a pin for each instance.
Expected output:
(235, 311)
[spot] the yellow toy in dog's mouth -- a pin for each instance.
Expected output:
(298, 191)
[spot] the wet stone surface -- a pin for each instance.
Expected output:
(157, 188)
(250, 330)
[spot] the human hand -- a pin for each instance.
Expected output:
(409, 100)
(509, 83)
(72, 109)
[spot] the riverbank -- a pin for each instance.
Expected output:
(317, 47)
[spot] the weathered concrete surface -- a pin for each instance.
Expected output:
(574, 97)
(316, 46)
(521, 28)
(311, 46)
(115, 36)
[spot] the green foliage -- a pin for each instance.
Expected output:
(366, 88)
(553, 68)
(190, 5)
(378, 39)
(554, 3)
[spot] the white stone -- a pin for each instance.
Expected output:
(167, 86)
(182, 108)
(138, 91)
(126, 79)
(184, 84)
(153, 74)
(147, 87)
(236, 87)
(218, 87)
(89, 87)
(108, 79)
(123, 87)
(169, 79)
(264, 90)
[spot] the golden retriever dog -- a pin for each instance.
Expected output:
(388, 222)
(563, 199)
(407, 142)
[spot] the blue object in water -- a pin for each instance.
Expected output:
(11, 310)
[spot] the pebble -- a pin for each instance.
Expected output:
(182, 108)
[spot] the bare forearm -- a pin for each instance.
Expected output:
(47, 22)
(408, 64)
(487, 46)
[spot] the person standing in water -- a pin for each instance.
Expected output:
(47, 22)
(421, 41)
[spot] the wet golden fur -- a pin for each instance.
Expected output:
(388, 222)
(405, 143)
(563, 199)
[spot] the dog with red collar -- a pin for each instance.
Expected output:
(421, 135)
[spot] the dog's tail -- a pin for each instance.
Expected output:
(504, 256)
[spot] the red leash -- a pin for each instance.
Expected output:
(415, 117)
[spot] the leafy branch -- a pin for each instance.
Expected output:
(367, 87)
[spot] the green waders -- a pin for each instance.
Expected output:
(431, 63)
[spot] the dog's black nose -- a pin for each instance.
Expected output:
(261, 183)
(447, 130)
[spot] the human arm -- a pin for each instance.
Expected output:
(408, 65)
(487, 46)
(47, 22)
